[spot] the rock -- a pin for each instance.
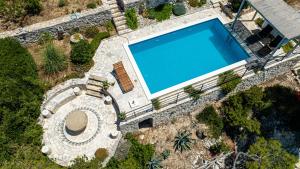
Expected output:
(77, 91)
(46, 113)
(114, 134)
(108, 100)
(46, 150)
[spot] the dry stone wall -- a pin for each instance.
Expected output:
(63, 24)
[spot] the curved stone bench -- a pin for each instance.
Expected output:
(55, 103)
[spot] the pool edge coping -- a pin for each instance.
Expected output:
(185, 83)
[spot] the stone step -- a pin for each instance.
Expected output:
(119, 18)
(113, 5)
(97, 78)
(94, 83)
(124, 31)
(120, 22)
(121, 27)
(114, 10)
(93, 93)
(93, 88)
(116, 14)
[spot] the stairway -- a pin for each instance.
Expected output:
(118, 17)
(94, 86)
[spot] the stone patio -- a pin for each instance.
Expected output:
(65, 147)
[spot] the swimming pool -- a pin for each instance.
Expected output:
(177, 58)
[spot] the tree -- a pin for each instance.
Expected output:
(81, 52)
(182, 141)
(271, 155)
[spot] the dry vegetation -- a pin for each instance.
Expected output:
(162, 137)
(50, 11)
(72, 71)
(294, 3)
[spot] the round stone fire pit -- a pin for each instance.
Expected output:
(76, 122)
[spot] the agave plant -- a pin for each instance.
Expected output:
(183, 141)
(154, 164)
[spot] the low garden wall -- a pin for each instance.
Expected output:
(65, 24)
(164, 116)
(147, 3)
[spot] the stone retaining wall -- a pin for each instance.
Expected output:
(164, 116)
(63, 24)
(147, 3)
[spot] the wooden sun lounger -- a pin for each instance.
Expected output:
(122, 77)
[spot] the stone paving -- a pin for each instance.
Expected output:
(112, 50)
(101, 123)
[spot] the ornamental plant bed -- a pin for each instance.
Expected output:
(49, 10)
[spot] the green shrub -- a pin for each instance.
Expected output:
(131, 18)
(183, 141)
(122, 116)
(97, 40)
(288, 47)
(154, 164)
(259, 22)
(45, 38)
(161, 12)
(91, 32)
(165, 154)
(228, 81)
(33, 7)
(61, 3)
(219, 148)
(193, 93)
(138, 152)
(91, 5)
(101, 154)
(109, 26)
(196, 3)
(210, 117)
(179, 9)
(235, 5)
(55, 61)
(81, 52)
(156, 103)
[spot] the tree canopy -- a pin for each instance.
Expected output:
(20, 99)
(270, 154)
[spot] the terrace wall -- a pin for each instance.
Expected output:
(65, 24)
(164, 116)
(147, 3)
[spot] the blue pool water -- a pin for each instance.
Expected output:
(179, 56)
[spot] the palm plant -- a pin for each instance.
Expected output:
(154, 164)
(183, 141)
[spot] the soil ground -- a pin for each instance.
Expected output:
(163, 136)
(294, 3)
(50, 11)
(72, 71)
